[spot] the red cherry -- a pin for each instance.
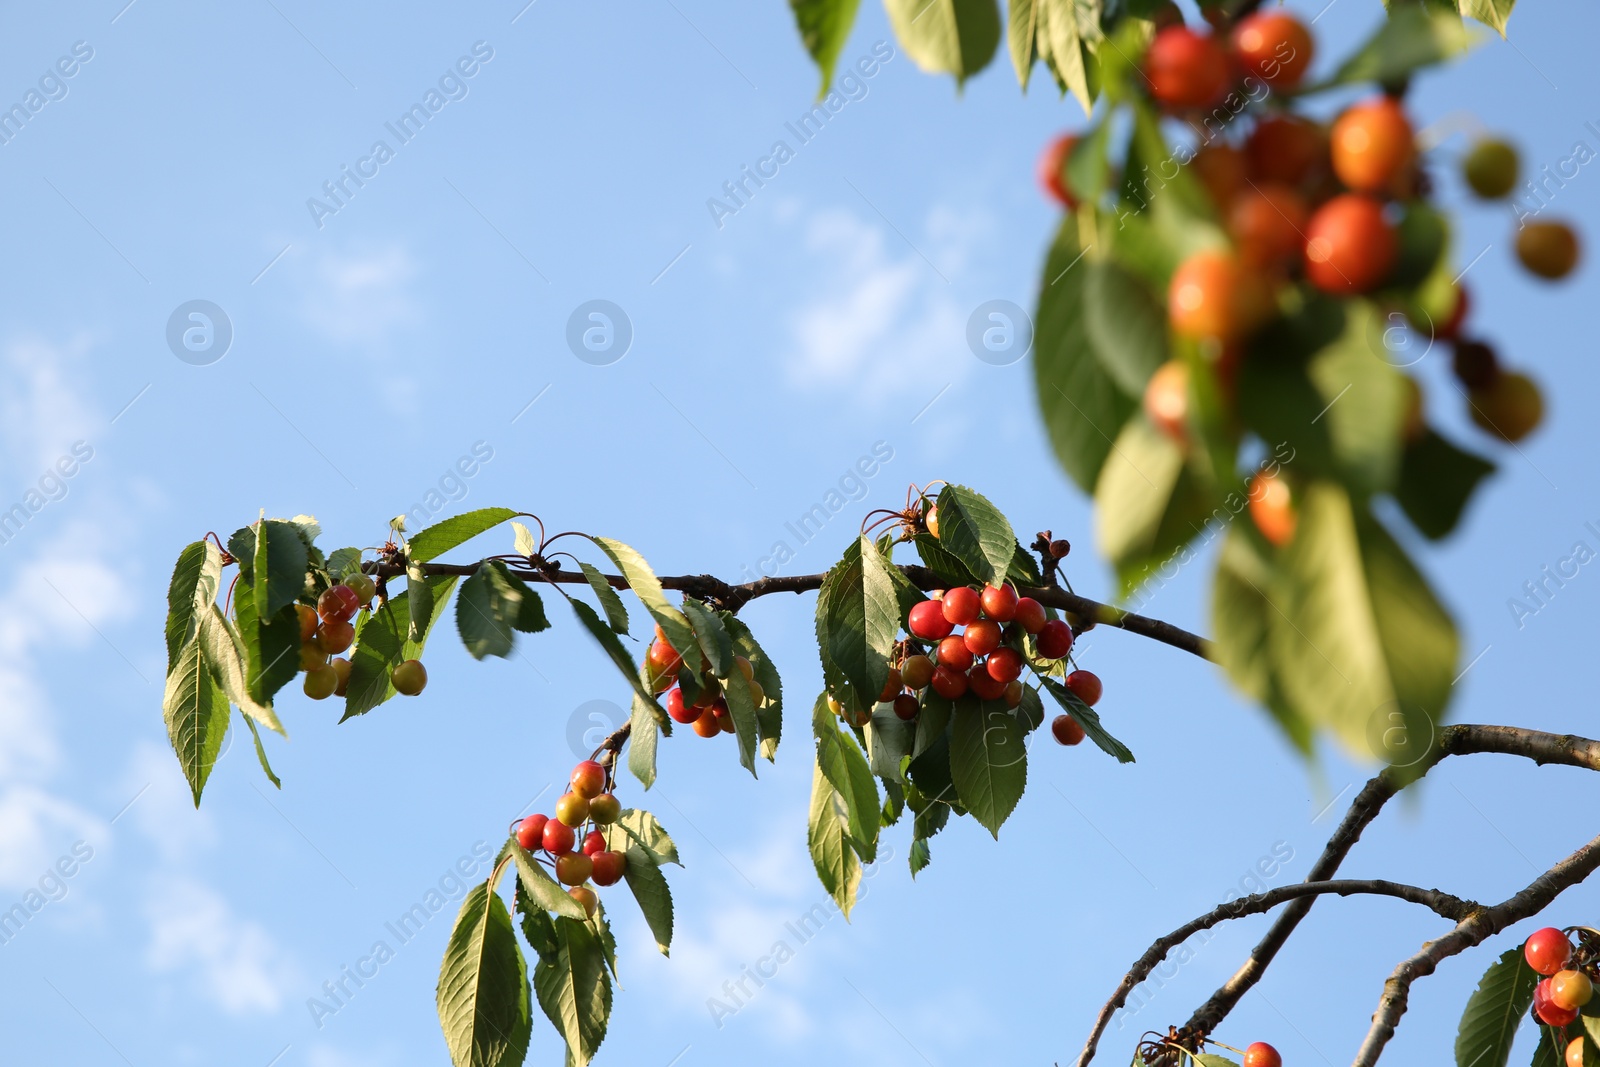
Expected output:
(676, 710)
(1547, 950)
(588, 779)
(722, 716)
(530, 832)
(1066, 730)
(1350, 246)
(891, 685)
(1005, 665)
(1547, 1010)
(927, 621)
(905, 706)
(308, 621)
(608, 867)
(1186, 69)
(1275, 47)
(1272, 508)
(1055, 640)
(707, 725)
(954, 653)
(985, 685)
(1372, 145)
(1053, 173)
(593, 841)
(962, 605)
(1286, 148)
(663, 658)
(1030, 615)
(999, 604)
(1262, 1054)
(1085, 686)
(949, 682)
(339, 602)
(558, 837)
(333, 636)
(574, 868)
(982, 637)
(1013, 694)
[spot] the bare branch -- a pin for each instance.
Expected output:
(1443, 903)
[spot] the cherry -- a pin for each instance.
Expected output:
(1268, 223)
(605, 809)
(1166, 404)
(1510, 407)
(706, 725)
(572, 809)
(321, 682)
(1085, 685)
(1450, 329)
(363, 587)
(341, 667)
(1055, 640)
(1547, 950)
(1286, 148)
(1490, 168)
(1213, 294)
(1548, 249)
(983, 684)
(1350, 246)
(1475, 364)
(1262, 1054)
(722, 716)
(338, 602)
(1066, 730)
(1013, 694)
(1573, 1057)
(585, 896)
(530, 832)
(1570, 989)
(1004, 664)
(745, 668)
(608, 867)
(999, 604)
(1030, 615)
(1274, 46)
(312, 657)
(1186, 69)
(593, 841)
(758, 695)
(949, 682)
(962, 605)
(588, 779)
(659, 682)
(931, 520)
(334, 636)
(954, 653)
(1548, 1012)
(409, 677)
(1372, 145)
(574, 868)
(663, 658)
(308, 621)
(982, 637)
(917, 671)
(1272, 508)
(905, 707)
(1223, 170)
(891, 685)
(558, 837)
(927, 621)
(1053, 172)
(676, 709)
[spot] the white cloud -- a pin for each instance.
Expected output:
(41, 413)
(362, 297)
(36, 830)
(235, 962)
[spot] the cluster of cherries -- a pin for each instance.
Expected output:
(1564, 990)
(588, 803)
(326, 631)
(707, 714)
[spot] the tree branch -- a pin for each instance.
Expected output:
(1541, 747)
(1472, 930)
(1443, 903)
(736, 596)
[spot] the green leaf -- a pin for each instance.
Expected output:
(863, 619)
(941, 562)
(1436, 481)
(976, 533)
(420, 603)
(1411, 38)
(988, 760)
(828, 837)
(1492, 13)
(1089, 174)
(769, 717)
(1088, 718)
(487, 610)
(1022, 31)
(483, 996)
(1212, 1059)
(613, 649)
(743, 709)
(261, 753)
(575, 990)
(191, 592)
(1489, 1023)
(1082, 407)
(343, 562)
(539, 886)
(278, 567)
(224, 653)
(639, 828)
(196, 712)
(610, 602)
(537, 928)
(382, 642)
(441, 537)
(824, 27)
(1062, 47)
(647, 587)
(649, 887)
(1148, 504)
(1126, 324)
(956, 37)
(643, 735)
(1031, 711)
(712, 636)
(933, 722)
(845, 767)
(1546, 1054)
(271, 646)
(889, 740)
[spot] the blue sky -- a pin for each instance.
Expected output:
(428, 315)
